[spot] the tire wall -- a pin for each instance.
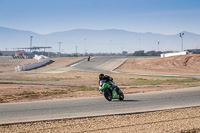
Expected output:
(41, 60)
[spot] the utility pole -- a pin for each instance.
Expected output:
(31, 37)
(85, 49)
(110, 46)
(140, 46)
(59, 47)
(155, 45)
(76, 47)
(181, 35)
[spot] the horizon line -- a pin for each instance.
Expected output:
(94, 30)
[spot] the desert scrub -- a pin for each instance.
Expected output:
(67, 90)
(78, 77)
(53, 79)
(172, 81)
(59, 91)
(8, 96)
(28, 94)
(85, 88)
(1, 100)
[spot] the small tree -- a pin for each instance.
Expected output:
(194, 51)
(139, 53)
(124, 53)
(153, 53)
(1, 53)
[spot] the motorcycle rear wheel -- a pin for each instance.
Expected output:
(121, 95)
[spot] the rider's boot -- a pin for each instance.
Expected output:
(117, 90)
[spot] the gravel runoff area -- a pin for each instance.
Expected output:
(183, 120)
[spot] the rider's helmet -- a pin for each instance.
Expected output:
(101, 76)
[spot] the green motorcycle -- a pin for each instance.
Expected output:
(109, 91)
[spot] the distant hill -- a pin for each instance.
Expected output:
(94, 41)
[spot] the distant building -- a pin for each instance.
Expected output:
(8, 53)
(19, 53)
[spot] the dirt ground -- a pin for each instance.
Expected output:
(183, 64)
(8, 65)
(42, 84)
(25, 92)
(38, 84)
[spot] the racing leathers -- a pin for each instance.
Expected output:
(109, 80)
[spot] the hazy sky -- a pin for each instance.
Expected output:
(47, 16)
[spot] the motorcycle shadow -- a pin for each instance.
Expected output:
(126, 101)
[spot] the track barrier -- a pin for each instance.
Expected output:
(173, 54)
(41, 61)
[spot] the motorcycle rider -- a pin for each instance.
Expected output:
(109, 80)
(88, 58)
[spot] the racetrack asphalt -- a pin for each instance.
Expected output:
(96, 106)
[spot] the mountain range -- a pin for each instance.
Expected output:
(98, 41)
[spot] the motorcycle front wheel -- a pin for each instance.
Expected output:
(108, 95)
